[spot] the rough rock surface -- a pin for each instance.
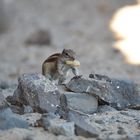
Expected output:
(78, 101)
(28, 109)
(115, 125)
(33, 134)
(31, 118)
(82, 128)
(118, 93)
(10, 120)
(62, 127)
(3, 103)
(7, 88)
(36, 91)
(105, 108)
(58, 126)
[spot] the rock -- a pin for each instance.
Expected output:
(14, 100)
(3, 103)
(43, 121)
(28, 109)
(78, 101)
(36, 91)
(9, 120)
(61, 127)
(39, 37)
(4, 85)
(121, 131)
(17, 109)
(100, 77)
(31, 118)
(57, 126)
(7, 88)
(131, 113)
(105, 108)
(82, 128)
(118, 93)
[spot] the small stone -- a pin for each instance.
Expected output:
(117, 137)
(61, 127)
(54, 124)
(52, 105)
(121, 131)
(118, 87)
(99, 121)
(100, 77)
(28, 109)
(82, 128)
(3, 102)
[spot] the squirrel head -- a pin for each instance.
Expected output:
(68, 55)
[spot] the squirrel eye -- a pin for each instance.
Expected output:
(67, 54)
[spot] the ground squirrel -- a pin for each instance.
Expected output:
(57, 66)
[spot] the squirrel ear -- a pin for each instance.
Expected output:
(63, 50)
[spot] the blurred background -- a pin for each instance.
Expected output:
(104, 34)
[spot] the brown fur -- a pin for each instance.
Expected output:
(49, 65)
(55, 65)
(48, 68)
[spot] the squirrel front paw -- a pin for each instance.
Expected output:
(77, 77)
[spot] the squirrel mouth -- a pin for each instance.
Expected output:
(74, 63)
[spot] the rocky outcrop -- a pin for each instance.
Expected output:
(90, 110)
(117, 93)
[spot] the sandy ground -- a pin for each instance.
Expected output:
(82, 25)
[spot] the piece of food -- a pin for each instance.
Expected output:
(74, 63)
